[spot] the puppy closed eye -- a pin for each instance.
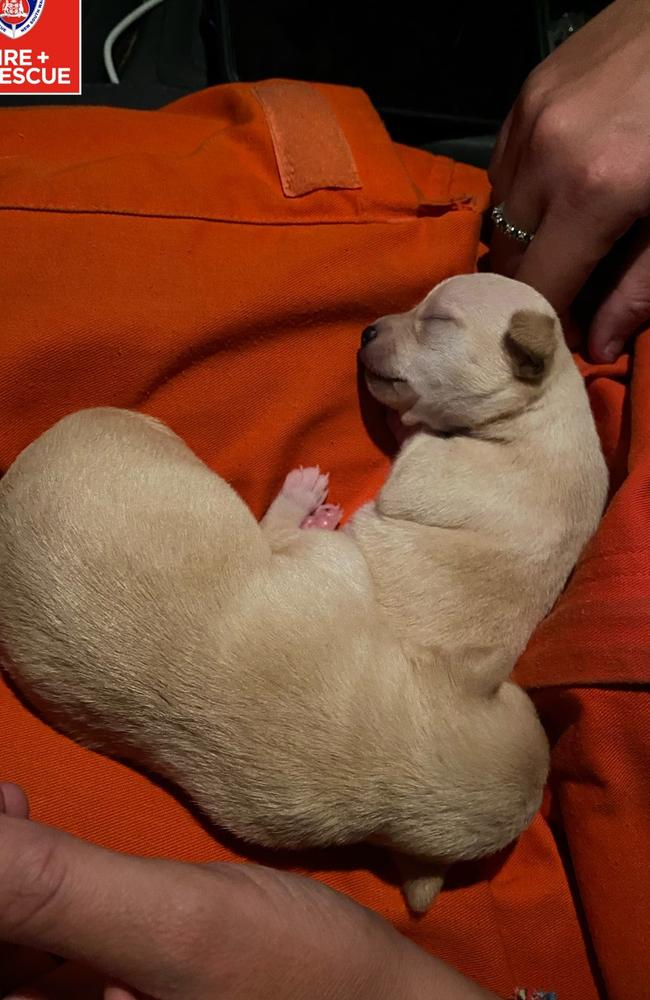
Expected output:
(435, 323)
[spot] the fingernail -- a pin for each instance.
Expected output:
(613, 349)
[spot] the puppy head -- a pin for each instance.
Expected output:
(477, 349)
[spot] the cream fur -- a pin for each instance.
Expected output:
(309, 688)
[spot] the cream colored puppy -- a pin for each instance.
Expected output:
(310, 688)
(492, 501)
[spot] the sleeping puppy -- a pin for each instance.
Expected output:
(493, 498)
(313, 688)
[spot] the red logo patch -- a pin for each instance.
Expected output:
(40, 47)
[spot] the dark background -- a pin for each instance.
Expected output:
(443, 75)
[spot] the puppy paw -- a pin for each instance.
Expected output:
(327, 517)
(306, 489)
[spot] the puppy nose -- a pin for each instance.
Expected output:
(368, 334)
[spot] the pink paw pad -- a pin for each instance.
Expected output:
(327, 517)
(306, 488)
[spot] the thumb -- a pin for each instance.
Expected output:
(139, 921)
(13, 800)
(627, 306)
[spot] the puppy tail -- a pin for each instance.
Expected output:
(420, 892)
(421, 881)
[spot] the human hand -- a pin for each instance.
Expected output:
(171, 930)
(572, 164)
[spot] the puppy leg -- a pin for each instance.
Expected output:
(421, 881)
(326, 517)
(303, 492)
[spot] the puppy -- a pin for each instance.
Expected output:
(312, 688)
(493, 498)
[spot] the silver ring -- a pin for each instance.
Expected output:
(499, 219)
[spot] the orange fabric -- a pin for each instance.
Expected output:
(310, 148)
(589, 667)
(154, 261)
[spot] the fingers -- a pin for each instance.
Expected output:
(13, 801)
(512, 144)
(557, 176)
(140, 921)
(120, 993)
(565, 250)
(68, 982)
(516, 187)
(524, 209)
(627, 306)
(20, 966)
(497, 175)
(574, 227)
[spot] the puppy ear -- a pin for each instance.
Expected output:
(530, 342)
